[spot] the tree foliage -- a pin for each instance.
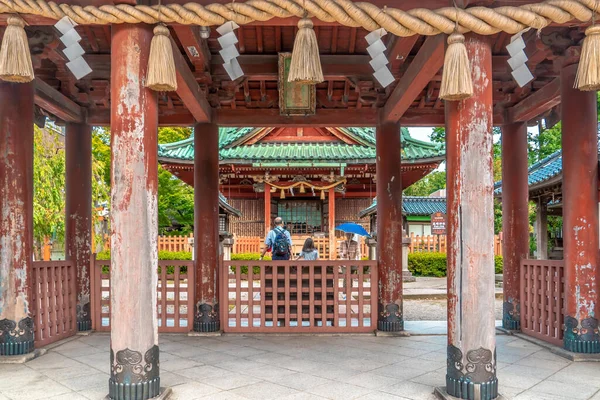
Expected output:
(429, 184)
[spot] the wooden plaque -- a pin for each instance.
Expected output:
(294, 98)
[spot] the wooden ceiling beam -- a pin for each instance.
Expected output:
(195, 47)
(400, 48)
(56, 103)
(421, 70)
(189, 90)
(537, 103)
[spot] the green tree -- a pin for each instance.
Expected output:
(429, 184)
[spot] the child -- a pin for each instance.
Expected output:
(309, 252)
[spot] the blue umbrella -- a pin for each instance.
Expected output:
(351, 227)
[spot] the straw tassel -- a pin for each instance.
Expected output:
(302, 190)
(456, 77)
(305, 66)
(588, 71)
(322, 195)
(15, 57)
(282, 195)
(162, 76)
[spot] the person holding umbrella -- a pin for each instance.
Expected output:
(350, 248)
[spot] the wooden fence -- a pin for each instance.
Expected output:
(542, 299)
(298, 296)
(175, 297)
(438, 243)
(54, 301)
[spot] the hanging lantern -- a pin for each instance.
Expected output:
(282, 194)
(302, 190)
(588, 71)
(305, 66)
(456, 77)
(162, 74)
(15, 58)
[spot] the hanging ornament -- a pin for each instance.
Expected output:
(73, 50)
(15, 57)
(229, 52)
(162, 74)
(518, 58)
(282, 194)
(588, 71)
(379, 61)
(456, 77)
(305, 66)
(322, 195)
(302, 190)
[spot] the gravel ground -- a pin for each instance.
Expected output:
(433, 310)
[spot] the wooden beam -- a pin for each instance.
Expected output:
(400, 48)
(195, 47)
(55, 103)
(421, 70)
(537, 103)
(188, 89)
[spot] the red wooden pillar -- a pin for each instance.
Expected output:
(206, 226)
(471, 371)
(331, 225)
(580, 215)
(515, 218)
(78, 210)
(267, 208)
(389, 227)
(134, 218)
(16, 218)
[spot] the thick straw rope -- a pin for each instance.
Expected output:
(481, 20)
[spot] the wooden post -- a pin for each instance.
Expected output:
(541, 229)
(580, 215)
(16, 218)
(206, 226)
(332, 241)
(267, 209)
(134, 218)
(78, 210)
(515, 218)
(471, 371)
(389, 227)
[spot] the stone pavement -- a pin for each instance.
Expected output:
(429, 287)
(298, 367)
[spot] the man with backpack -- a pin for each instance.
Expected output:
(279, 241)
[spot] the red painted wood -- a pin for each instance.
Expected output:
(537, 103)
(580, 204)
(389, 214)
(515, 209)
(331, 224)
(134, 183)
(471, 321)
(206, 212)
(78, 210)
(267, 209)
(16, 200)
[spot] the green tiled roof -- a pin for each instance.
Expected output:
(541, 171)
(228, 207)
(412, 205)
(413, 150)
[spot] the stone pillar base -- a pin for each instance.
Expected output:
(465, 389)
(164, 393)
(206, 318)
(407, 276)
(441, 393)
(84, 326)
(581, 337)
(16, 338)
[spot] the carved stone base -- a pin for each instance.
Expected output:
(390, 318)
(407, 276)
(581, 337)
(206, 318)
(84, 317)
(441, 393)
(16, 339)
(471, 376)
(83, 326)
(164, 393)
(511, 316)
(463, 388)
(133, 377)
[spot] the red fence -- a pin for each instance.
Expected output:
(175, 297)
(54, 301)
(542, 299)
(298, 296)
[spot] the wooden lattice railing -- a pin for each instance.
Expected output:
(298, 296)
(54, 303)
(542, 299)
(175, 297)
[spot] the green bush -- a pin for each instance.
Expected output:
(427, 264)
(162, 255)
(247, 257)
(435, 264)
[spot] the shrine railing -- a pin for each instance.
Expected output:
(298, 296)
(54, 292)
(542, 299)
(175, 296)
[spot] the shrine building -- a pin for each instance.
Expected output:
(289, 70)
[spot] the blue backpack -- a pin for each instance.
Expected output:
(281, 246)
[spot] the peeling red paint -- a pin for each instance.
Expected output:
(206, 212)
(389, 214)
(580, 191)
(515, 207)
(134, 176)
(470, 208)
(16, 199)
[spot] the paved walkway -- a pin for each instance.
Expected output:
(287, 367)
(429, 287)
